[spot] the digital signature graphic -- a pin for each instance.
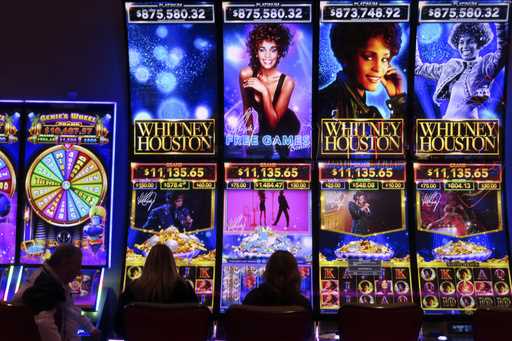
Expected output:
(68, 162)
(364, 248)
(362, 81)
(267, 80)
(174, 204)
(461, 56)
(462, 251)
(267, 207)
(172, 54)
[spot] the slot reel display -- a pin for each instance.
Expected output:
(69, 161)
(266, 208)
(172, 53)
(363, 65)
(461, 245)
(461, 57)
(10, 114)
(174, 204)
(267, 80)
(364, 249)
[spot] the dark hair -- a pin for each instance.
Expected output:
(357, 195)
(480, 31)
(173, 196)
(346, 38)
(282, 273)
(63, 252)
(159, 275)
(277, 33)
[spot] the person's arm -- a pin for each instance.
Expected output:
(45, 322)
(355, 211)
(495, 61)
(427, 70)
(152, 221)
(245, 74)
(189, 293)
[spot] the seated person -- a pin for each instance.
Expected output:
(281, 283)
(48, 295)
(159, 283)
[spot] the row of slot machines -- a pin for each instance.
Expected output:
(358, 213)
(56, 166)
(363, 137)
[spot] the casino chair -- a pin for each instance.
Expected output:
(492, 324)
(17, 323)
(269, 323)
(393, 322)
(167, 322)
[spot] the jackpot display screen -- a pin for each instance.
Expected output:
(364, 243)
(461, 56)
(68, 172)
(85, 288)
(460, 239)
(267, 207)
(174, 204)
(267, 80)
(10, 115)
(362, 78)
(172, 53)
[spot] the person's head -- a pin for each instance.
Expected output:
(359, 198)
(261, 194)
(97, 214)
(282, 272)
(267, 44)
(66, 262)
(365, 51)
(281, 192)
(159, 274)
(470, 38)
(175, 198)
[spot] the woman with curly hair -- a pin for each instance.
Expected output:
(265, 89)
(465, 82)
(365, 53)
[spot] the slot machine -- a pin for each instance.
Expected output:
(362, 103)
(172, 54)
(69, 163)
(459, 105)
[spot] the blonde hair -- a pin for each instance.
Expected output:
(159, 275)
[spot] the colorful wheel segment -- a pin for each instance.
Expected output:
(7, 176)
(64, 182)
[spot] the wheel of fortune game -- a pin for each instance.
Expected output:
(64, 182)
(7, 176)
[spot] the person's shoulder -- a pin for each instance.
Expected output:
(246, 72)
(256, 296)
(329, 90)
(288, 82)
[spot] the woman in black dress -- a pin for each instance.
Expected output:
(267, 91)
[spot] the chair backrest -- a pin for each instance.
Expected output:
(394, 322)
(167, 322)
(492, 324)
(269, 323)
(17, 323)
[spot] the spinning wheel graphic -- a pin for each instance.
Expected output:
(64, 182)
(7, 176)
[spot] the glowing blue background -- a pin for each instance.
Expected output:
(433, 46)
(173, 71)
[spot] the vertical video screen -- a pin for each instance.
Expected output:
(460, 61)
(10, 114)
(172, 54)
(462, 250)
(362, 78)
(267, 80)
(68, 163)
(174, 204)
(364, 244)
(267, 207)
